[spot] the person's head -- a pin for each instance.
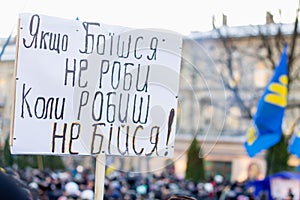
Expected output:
(72, 189)
(181, 197)
(11, 189)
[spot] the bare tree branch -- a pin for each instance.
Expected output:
(267, 44)
(293, 45)
(234, 88)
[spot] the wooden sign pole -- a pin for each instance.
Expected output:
(100, 176)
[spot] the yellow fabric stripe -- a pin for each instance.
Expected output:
(276, 100)
(279, 89)
(283, 79)
(251, 136)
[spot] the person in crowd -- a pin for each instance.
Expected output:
(181, 197)
(11, 188)
(290, 195)
(33, 184)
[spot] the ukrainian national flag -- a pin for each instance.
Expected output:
(266, 130)
(294, 145)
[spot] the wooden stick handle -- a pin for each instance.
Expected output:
(100, 176)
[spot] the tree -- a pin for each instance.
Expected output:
(23, 161)
(53, 162)
(195, 163)
(277, 157)
(8, 160)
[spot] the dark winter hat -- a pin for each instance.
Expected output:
(9, 189)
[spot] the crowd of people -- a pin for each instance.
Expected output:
(34, 184)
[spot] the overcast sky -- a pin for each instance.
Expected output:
(180, 16)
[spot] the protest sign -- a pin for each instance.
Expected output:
(87, 88)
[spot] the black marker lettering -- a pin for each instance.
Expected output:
(110, 136)
(24, 101)
(95, 103)
(133, 140)
(153, 129)
(83, 102)
(71, 71)
(83, 66)
(89, 38)
(47, 40)
(49, 107)
(54, 41)
(33, 29)
(123, 54)
(94, 139)
(153, 46)
(110, 108)
(125, 106)
(118, 140)
(103, 70)
(72, 137)
(101, 43)
(136, 48)
(145, 87)
(42, 109)
(118, 66)
(129, 76)
(138, 120)
(43, 44)
(56, 136)
(64, 43)
(61, 110)
(111, 43)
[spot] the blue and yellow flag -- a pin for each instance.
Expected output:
(294, 145)
(266, 130)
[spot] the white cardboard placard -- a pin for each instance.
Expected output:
(88, 88)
